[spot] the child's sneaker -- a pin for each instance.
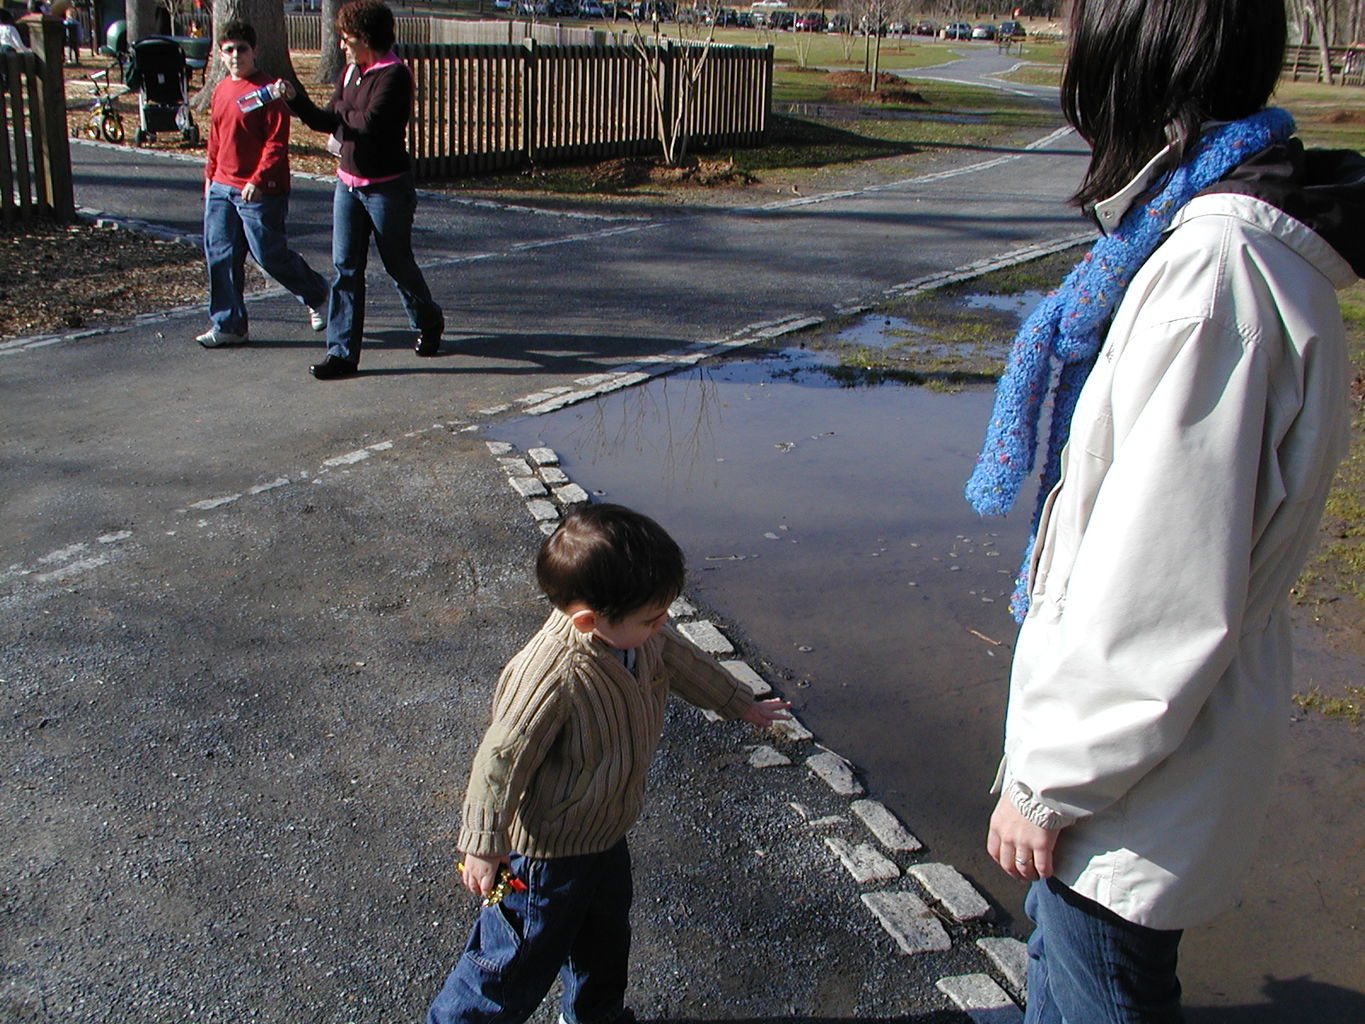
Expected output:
(214, 338)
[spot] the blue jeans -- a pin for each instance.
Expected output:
(233, 226)
(1087, 965)
(386, 211)
(573, 920)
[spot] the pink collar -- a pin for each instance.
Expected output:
(385, 61)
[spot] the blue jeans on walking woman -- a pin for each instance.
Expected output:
(384, 210)
(232, 227)
(573, 920)
(1087, 965)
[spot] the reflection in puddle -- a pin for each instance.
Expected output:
(878, 331)
(1021, 303)
(828, 525)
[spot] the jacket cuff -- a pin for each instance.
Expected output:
(1034, 810)
(483, 844)
(740, 701)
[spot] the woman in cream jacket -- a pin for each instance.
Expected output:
(1151, 680)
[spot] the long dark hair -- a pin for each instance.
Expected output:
(1143, 73)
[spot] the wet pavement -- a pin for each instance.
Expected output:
(826, 525)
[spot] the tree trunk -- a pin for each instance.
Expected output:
(141, 20)
(331, 61)
(1314, 11)
(272, 46)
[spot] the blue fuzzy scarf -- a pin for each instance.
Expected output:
(1069, 325)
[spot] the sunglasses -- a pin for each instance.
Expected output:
(232, 48)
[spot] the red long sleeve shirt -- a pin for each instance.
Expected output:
(248, 147)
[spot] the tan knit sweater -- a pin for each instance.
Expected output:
(561, 770)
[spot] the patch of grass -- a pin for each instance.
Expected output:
(853, 376)
(803, 142)
(1329, 116)
(944, 344)
(1350, 707)
(1337, 567)
(1036, 74)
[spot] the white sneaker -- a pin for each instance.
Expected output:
(317, 319)
(214, 338)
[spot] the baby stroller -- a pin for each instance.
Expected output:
(157, 70)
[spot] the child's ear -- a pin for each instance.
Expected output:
(584, 620)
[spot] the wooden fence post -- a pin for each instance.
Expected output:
(48, 37)
(530, 100)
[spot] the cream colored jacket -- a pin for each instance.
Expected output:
(1151, 681)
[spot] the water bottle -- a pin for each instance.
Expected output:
(255, 98)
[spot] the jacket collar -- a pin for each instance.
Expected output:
(1110, 212)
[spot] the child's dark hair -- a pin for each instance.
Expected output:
(612, 559)
(240, 31)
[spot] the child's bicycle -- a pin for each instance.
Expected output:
(105, 119)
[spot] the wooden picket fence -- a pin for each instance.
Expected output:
(1347, 64)
(35, 157)
(304, 31)
(486, 108)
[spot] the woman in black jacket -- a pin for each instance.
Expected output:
(367, 119)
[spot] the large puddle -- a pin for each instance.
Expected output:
(828, 525)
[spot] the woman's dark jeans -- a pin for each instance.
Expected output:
(386, 212)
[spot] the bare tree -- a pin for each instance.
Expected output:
(331, 61)
(674, 70)
(1312, 13)
(141, 20)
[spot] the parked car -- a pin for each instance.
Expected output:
(539, 8)
(983, 32)
(926, 28)
(1012, 30)
(563, 8)
(811, 21)
(591, 9)
(895, 28)
(781, 19)
(648, 10)
(839, 23)
(957, 30)
(745, 19)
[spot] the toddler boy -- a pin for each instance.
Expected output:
(246, 196)
(560, 775)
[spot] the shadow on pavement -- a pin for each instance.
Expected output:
(1289, 1000)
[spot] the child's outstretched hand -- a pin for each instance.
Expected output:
(480, 874)
(764, 713)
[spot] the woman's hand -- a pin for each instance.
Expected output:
(1021, 848)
